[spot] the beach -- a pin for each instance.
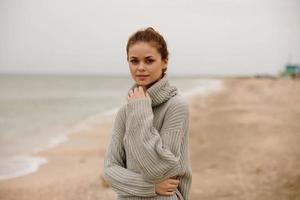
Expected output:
(244, 145)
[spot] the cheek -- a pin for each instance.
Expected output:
(157, 69)
(131, 68)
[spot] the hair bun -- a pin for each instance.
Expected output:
(150, 29)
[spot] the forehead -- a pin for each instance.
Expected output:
(142, 49)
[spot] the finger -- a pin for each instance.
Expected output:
(170, 193)
(130, 92)
(135, 90)
(173, 185)
(172, 188)
(174, 177)
(173, 181)
(141, 90)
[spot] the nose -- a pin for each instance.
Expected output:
(141, 67)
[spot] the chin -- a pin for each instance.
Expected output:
(142, 83)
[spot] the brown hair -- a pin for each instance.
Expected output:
(153, 37)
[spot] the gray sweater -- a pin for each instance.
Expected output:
(149, 144)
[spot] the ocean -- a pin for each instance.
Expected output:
(38, 112)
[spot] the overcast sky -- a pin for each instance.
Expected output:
(208, 37)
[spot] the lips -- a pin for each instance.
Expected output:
(142, 76)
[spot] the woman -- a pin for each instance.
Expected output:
(147, 157)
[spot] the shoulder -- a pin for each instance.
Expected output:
(177, 114)
(178, 102)
(179, 105)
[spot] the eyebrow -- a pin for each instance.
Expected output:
(137, 57)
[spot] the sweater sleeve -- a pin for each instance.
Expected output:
(157, 153)
(123, 181)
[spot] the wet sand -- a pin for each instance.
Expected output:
(244, 145)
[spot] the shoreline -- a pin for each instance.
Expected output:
(33, 161)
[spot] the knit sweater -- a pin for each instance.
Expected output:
(149, 144)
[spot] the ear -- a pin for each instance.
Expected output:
(165, 61)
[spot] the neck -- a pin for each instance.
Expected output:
(148, 86)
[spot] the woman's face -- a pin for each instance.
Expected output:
(145, 63)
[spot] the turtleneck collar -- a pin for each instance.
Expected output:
(161, 91)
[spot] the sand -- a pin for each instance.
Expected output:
(244, 145)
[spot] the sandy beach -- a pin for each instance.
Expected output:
(244, 145)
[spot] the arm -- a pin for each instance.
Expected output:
(123, 181)
(157, 154)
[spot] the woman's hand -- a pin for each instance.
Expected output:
(167, 187)
(137, 93)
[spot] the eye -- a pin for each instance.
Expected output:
(149, 61)
(134, 61)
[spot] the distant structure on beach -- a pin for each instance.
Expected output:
(292, 71)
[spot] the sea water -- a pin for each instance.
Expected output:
(39, 111)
